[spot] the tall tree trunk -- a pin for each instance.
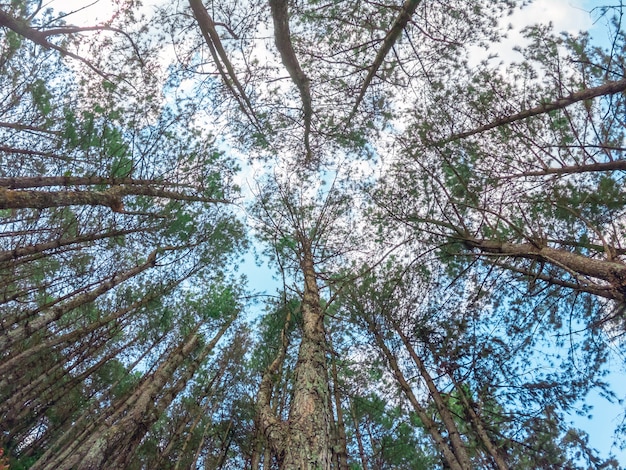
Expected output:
(498, 455)
(342, 441)
(114, 440)
(430, 426)
(52, 314)
(359, 437)
(309, 440)
(442, 407)
(305, 441)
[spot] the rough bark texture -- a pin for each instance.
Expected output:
(309, 439)
(114, 441)
(612, 272)
(112, 197)
(305, 440)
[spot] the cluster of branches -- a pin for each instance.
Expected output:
(423, 314)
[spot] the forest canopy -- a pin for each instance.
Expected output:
(444, 218)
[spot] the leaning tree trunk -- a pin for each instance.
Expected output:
(113, 442)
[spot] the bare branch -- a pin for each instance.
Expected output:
(41, 38)
(407, 10)
(615, 165)
(229, 77)
(43, 181)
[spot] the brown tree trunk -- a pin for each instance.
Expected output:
(50, 315)
(477, 423)
(19, 252)
(308, 442)
(305, 441)
(111, 197)
(342, 441)
(612, 272)
(430, 426)
(359, 437)
(113, 442)
(446, 416)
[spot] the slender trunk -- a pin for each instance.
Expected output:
(255, 460)
(183, 425)
(19, 252)
(90, 449)
(446, 416)
(22, 359)
(51, 390)
(477, 424)
(12, 336)
(359, 438)
(430, 426)
(112, 197)
(24, 182)
(146, 411)
(342, 441)
(226, 442)
(81, 426)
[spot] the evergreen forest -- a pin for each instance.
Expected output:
(439, 214)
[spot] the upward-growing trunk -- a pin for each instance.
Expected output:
(342, 440)
(112, 443)
(444, 412)
(308, 441)
(304, 441)
(429, 424)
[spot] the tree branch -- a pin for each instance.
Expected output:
(615, 165)
(609, 88)
(407, 10)
(282, 39)
(229, 77)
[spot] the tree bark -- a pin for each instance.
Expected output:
(309, 439)
(282, 39)
(609, 88)
(115, 439)
(613, 272)
(359, 437)
(446, 416)
(111, 197)
(305, 440)
(342, 441)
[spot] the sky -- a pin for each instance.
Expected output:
(571, 16)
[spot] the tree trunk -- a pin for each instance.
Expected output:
(359, 437)
(446, 416)
(115, 439)
(308, 442)
(430, 426)
(55, 313)
(342, 441)
(305, 441)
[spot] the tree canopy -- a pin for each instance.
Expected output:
(443, 218)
